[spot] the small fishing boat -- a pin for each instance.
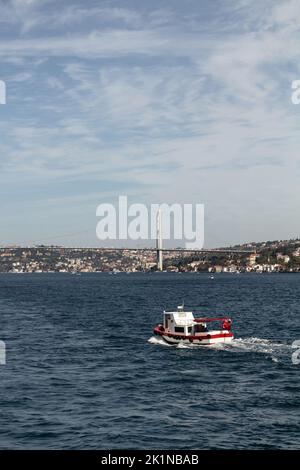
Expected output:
(182, 327)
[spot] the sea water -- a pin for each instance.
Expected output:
(84, 371)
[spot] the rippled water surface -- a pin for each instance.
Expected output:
(84, 371)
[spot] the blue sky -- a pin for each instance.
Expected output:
(165, 101)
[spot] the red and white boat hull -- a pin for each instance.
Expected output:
(201, 339)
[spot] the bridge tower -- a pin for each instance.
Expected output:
(159, 241)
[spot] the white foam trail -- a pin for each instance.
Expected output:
(158, 340)
(252, 344)
(183, 346)
(258, 345)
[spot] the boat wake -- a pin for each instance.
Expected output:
(276, 351)
(238, 345)
(158, 340)
(259, 345)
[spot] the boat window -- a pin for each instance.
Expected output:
(189, 329)
(200, 328)
(179, 329)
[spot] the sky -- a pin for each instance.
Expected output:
(165, 101)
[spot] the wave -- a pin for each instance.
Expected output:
(159, 341)
(260, 345)
(238, 345)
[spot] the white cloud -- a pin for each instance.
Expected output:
(286, 14)
(75, 15)
(206, 112)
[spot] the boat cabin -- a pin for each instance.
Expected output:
(182, 322)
